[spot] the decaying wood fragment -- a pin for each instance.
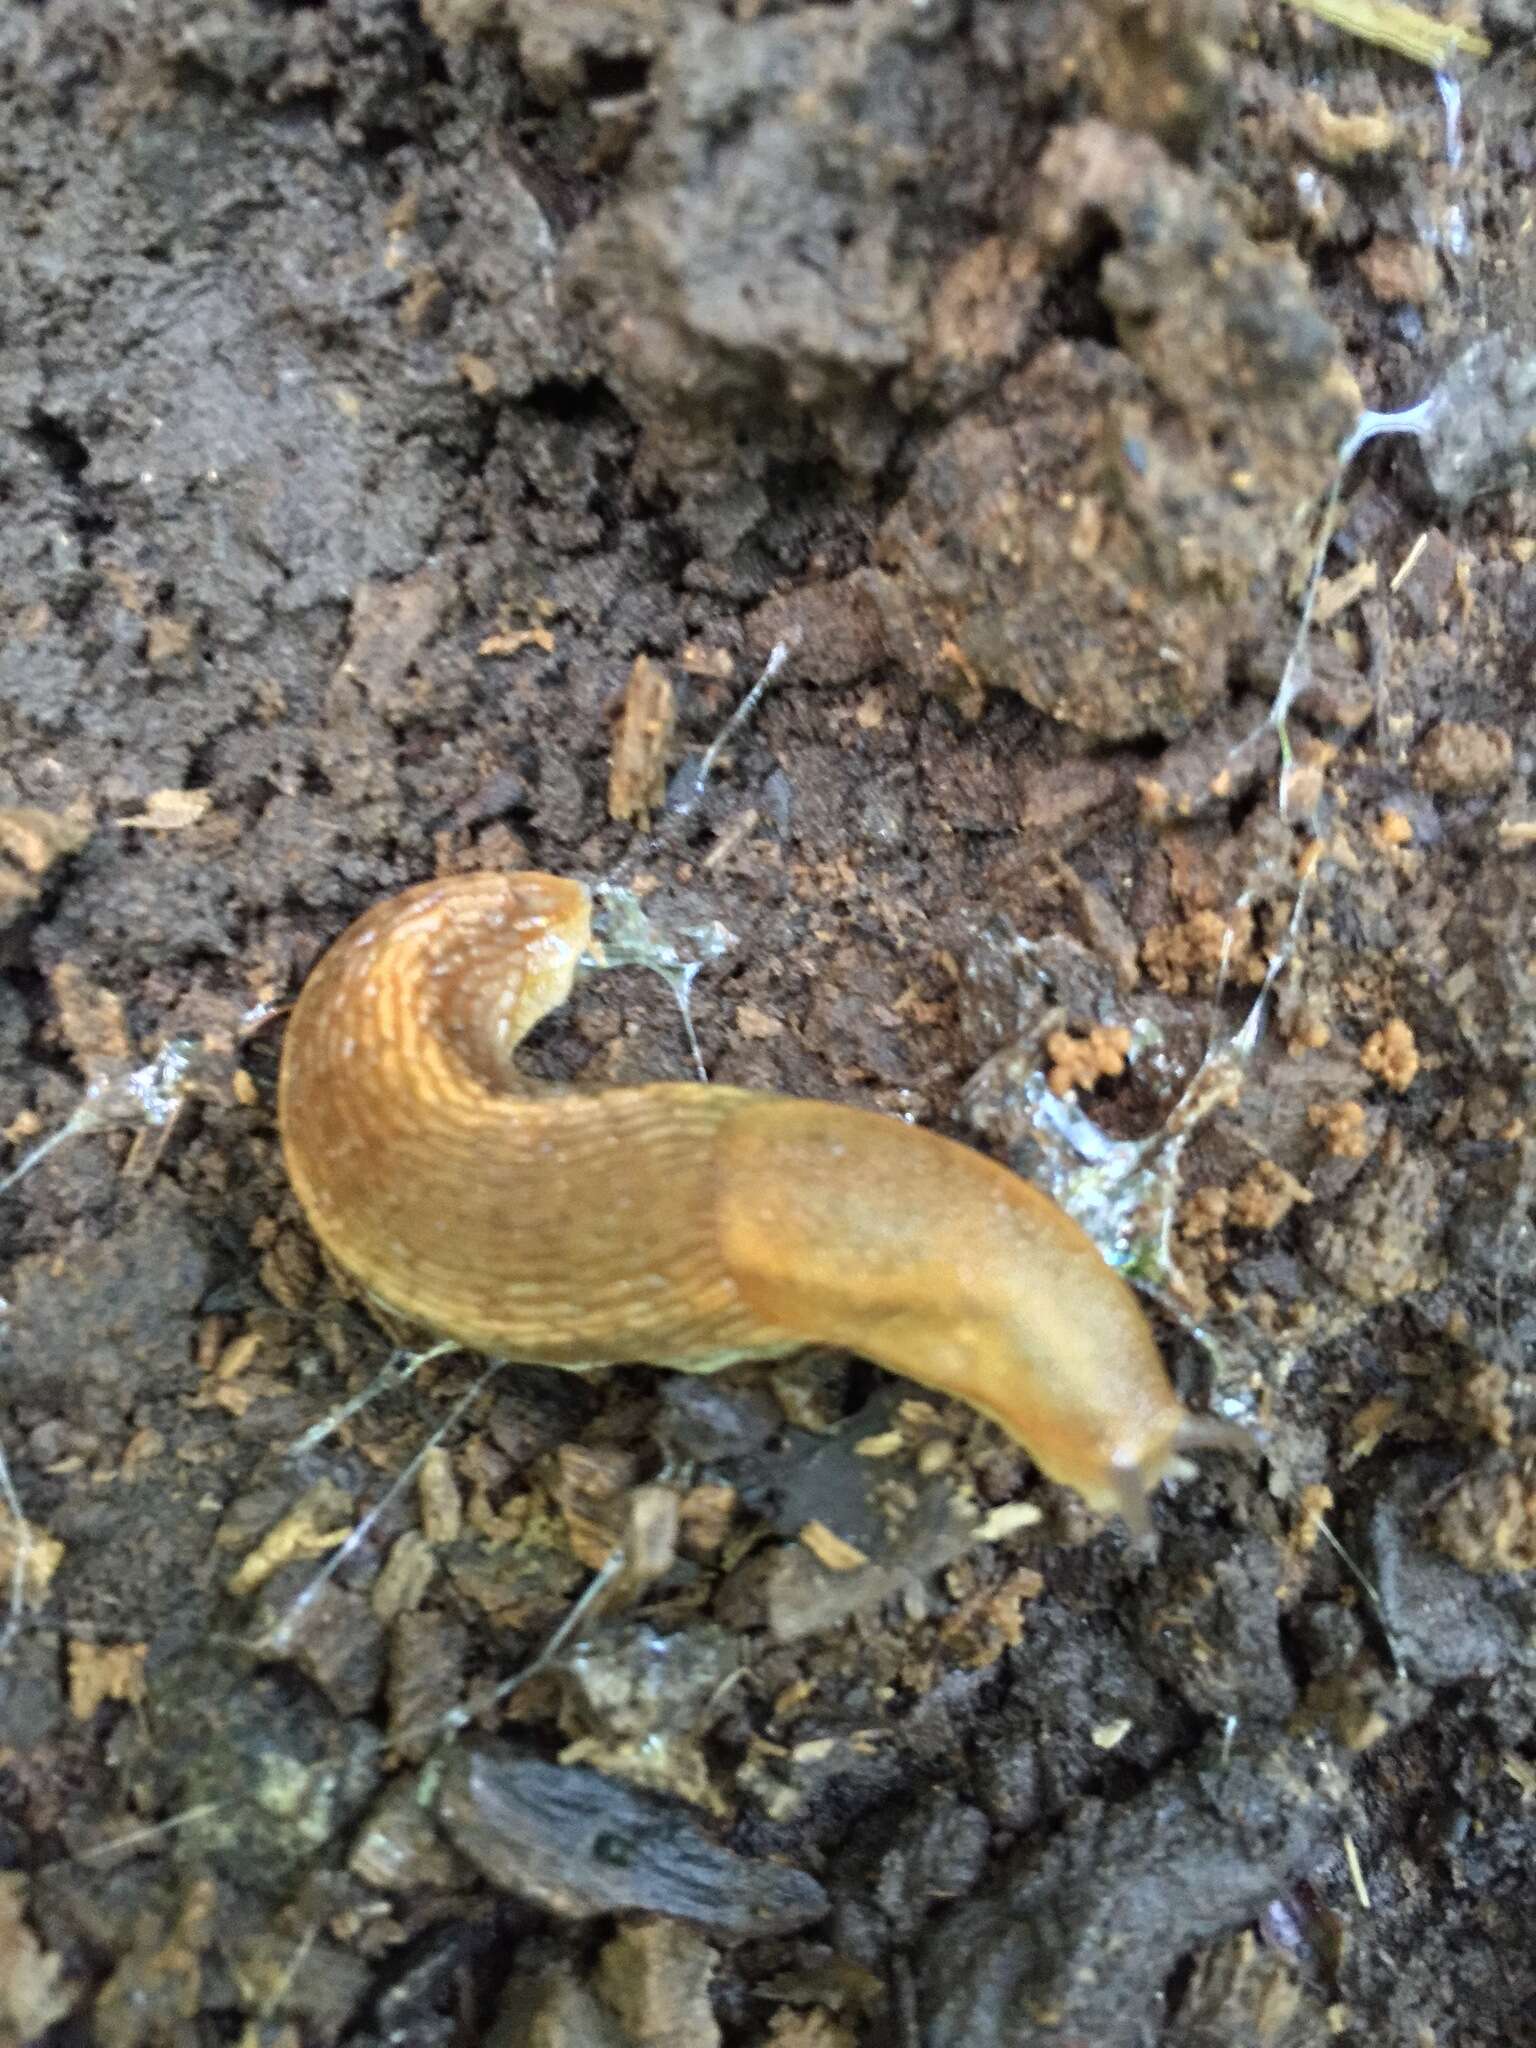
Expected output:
(637, 775)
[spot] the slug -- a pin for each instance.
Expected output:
(684, 1224)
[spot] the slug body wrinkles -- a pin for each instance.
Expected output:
(684, 1224)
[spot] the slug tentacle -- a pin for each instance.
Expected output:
(684, 1224)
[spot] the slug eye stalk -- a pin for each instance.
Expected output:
(1136, 1480)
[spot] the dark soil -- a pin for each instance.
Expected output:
(375, 387)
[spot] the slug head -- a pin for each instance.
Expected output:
(1071, 1370)
(853, 1229)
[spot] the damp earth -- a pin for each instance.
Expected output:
(419, 430)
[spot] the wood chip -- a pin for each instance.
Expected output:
(990, 1620)
(478, 373)
(167, 640)
(704, 1517)
(711, 662)
(1400, 272)
(655, 1974)
(754, 1023)
(424, 309)
(171, 810)
(141, 1449)
(590, 1488)
(35, 839)
(408, 1570)
(502, 645)
(637, 773)
(32, 1993)
(309, 1529)
(437, 1493)
(830, 1549)
(919, 1414)
(884, 1444)
(41, 1556)
(1335, 594)
(651, 1517)
(1007, 1520)
(1369, 1425)
(105, 1671)
(816, 1751)
(237, 1356)
(91, 1020)
(1341, 138)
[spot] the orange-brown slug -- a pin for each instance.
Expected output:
(684, 1224)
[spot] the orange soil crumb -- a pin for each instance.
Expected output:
(1392, 1054)
(1186, 956)
(1394, 828)
(1487, 1523)
(1307, 1033)
(1084, 1062)
(1265, 1197)
(1343, 1127)
(1204, 1250)
(1482, 1400)
(1204, 1213)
